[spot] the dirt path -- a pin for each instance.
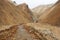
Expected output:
(22, 34)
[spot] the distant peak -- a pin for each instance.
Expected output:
(23, 4)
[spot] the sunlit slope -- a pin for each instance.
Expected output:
(10, 14)
(53, 16)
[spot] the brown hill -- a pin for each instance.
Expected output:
(10, 14)
(53, 16)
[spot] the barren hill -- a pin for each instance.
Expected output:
(53, 16)
(10, 14)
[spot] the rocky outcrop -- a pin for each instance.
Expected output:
(8, 32)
